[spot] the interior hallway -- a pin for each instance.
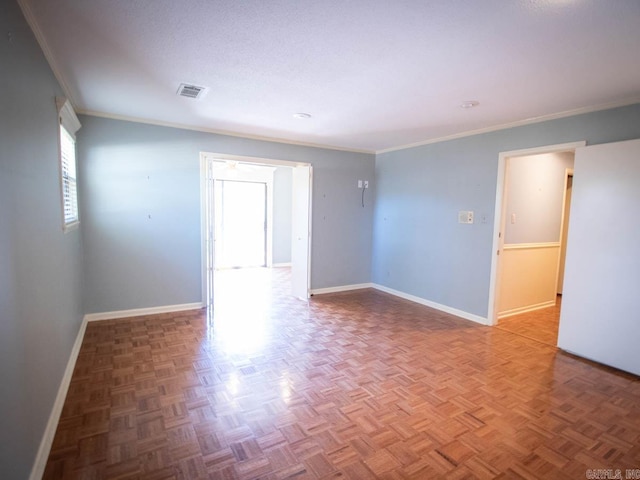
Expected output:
(540, 325)
(350, 385)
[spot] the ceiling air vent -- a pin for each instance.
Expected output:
(190, 91)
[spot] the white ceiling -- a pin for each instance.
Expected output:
(374, 74)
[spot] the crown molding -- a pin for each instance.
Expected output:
(25, 6)
(181, 126)
(519, 123)
(27, 11)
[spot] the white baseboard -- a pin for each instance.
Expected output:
(528, 308)
(437, 306)
(136, 312)
(52, 424)
(342, 288)
(285, 264)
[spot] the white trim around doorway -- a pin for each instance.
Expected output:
(205, 158)
(499, 216)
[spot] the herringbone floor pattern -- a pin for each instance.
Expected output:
(353, 385)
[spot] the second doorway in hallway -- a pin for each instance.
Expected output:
(241, 224)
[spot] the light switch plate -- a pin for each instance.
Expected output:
(465, 216)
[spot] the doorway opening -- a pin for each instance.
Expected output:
(532, 209)
(240, 224)
(243, 224)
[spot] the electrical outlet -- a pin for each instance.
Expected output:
(366, 184)
(359, 183)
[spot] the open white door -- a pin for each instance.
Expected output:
(599, 317)
(301, 229)
(209, 233)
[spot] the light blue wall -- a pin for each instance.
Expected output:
(130, 171)
(40, 274)
(282, 210)
(140, 223)
(418, 247)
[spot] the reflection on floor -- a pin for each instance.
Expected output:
(353, 385)
(540, 325)
(243, 300)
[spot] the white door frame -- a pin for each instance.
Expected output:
(207, 227)
(301, 232)
(564, 227)
(499, 216)
(205, 159)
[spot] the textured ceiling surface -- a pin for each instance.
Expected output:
(374, 74)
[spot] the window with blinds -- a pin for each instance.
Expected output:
(69, 125)
(69, 181)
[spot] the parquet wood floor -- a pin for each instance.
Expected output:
(541, 325)
(355, 385)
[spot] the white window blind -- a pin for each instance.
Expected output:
(69, 125)
(69, 180)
